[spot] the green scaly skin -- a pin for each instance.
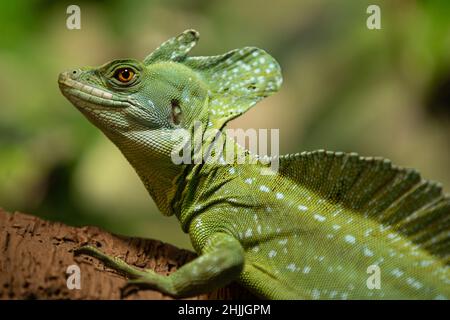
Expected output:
(310, 231)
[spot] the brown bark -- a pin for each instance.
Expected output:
(35, 254)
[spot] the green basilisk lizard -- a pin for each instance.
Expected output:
(312, 230)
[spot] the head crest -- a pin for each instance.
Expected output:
(236, 80)
(174, 49)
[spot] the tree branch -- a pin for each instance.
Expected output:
(35, 254)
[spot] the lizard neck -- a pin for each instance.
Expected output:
(156, 170)
(200, 182)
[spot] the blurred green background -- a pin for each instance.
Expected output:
(376, 92)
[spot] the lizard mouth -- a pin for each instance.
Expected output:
(89, 97)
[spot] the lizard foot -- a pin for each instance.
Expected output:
(114, 263)
(141, 278)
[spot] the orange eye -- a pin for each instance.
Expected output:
(124, 75)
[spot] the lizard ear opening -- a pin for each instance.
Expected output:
(174, 49)
(236, 80)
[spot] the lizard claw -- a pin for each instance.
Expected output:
(135, 285)
(128, 289)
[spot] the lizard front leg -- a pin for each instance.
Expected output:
(221, 262)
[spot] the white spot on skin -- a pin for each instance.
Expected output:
(292, 267)
(315, 294)
(264, 188)
(272, 254)
(350, 239)
(248, 233)
(368, 252)
(397, 273)
(280, 195)
(232, 171)
(321, 258)
(319, 218)
(336, 227)
(414, 283)
(249, 181)
(302, 208)
(426, 263)
(258, 228)
(306, 269)
(283, 242)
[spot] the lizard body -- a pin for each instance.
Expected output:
(312, 230)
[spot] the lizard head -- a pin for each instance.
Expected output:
(140, 104)
(134, 100)
(169, 90)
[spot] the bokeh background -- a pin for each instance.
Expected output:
(376, 92)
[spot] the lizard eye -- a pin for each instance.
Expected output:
(124, 75)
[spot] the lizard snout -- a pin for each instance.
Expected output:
(69, 74)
